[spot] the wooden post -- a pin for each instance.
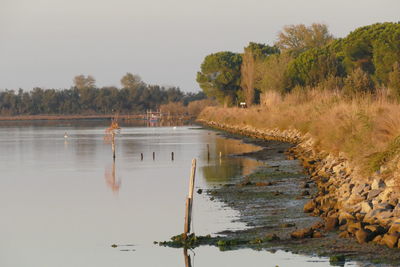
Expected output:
(188, 262)
(154, 155)
(113, 144)
(208, 152)
(220, 154)
(141, 156)
(172, 156)
(189, 200)
(186, 229)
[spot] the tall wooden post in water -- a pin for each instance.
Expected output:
(186, 256)
(113, 144)
(110, 134)
(189, 199)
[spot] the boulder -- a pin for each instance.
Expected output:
(358, 189)
(395, 227)
(327, 204)
(390, 240)
(338, 168)
(345, 217)
(355, 198)
(377, 239)
(360, 216)
(317, 225)
(317, 212)
(361, 236)
(366, 206)
(331, 223)
(376, 215)
(383, 205)
(301, 233)
(354, 227)
(394, 199)
(375, 229)
(374, 193)
(317, 234)
(384, 214)
(378, 183)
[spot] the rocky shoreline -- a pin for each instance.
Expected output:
(366, 209)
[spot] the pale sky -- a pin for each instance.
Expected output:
(46, 43)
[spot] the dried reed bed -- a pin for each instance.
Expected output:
(365, 128)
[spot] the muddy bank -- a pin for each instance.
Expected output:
(356, 216)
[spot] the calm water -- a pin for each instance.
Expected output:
(64, 202)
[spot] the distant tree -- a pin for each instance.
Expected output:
(50, 101)
(190, 97)
(83, 82)
(272, 73)
(219, 76)
(247, 78)
(37, 100)
(374, 48)
(130, 80)
(174, 94)
(253, 54)
(314, 66)
(299, 38)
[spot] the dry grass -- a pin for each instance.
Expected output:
(365, 129)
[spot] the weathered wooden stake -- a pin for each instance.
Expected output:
(186, 229)
(141, 156)
(113, 144)
(172, 156)
(220, 154)
(189, 199)
(188, 262)
(154, 155)
(208, 152)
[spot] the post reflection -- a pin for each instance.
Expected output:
(188, 262)
(111, 181)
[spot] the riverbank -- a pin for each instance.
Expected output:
(364, 209)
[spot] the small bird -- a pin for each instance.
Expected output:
(65, 135)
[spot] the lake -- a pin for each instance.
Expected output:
(64, 201)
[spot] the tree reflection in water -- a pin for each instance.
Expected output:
(111, 181)
(225, 168)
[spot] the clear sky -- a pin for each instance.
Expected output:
(46, 43)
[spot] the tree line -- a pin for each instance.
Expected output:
(304, 58)
(84, 97)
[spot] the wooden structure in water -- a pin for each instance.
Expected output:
(189, 199)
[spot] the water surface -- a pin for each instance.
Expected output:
(64, 201)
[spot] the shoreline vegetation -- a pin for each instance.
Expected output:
(183, 117)
(357, 201)
(338, 100)
(85, 99)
